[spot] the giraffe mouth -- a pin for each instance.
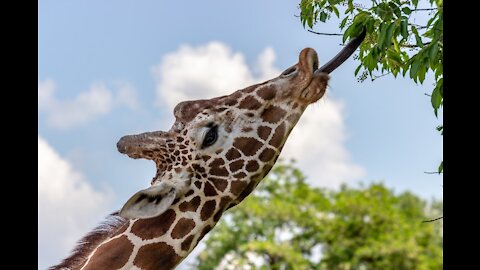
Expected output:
(318, 77)
(314, 80)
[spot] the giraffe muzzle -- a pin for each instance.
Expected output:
(142, 145)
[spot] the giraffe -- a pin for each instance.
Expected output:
(215, 154)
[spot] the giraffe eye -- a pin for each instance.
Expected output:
(210, 137)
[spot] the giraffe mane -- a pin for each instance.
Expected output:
(90, 241)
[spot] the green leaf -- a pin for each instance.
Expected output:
(323, 16)
(357, 69)
(404, 29)
(414, 69)
(407, 10)
(350, 6)
(396, 47)
(381, 37)
(440, 129)
(432, 54)
(335, 10)
(355, 28)
(384, 11)
(421, 73)
(396, 9)
(440, 168)
(415, 3)
(370, 25)
(310, 22)
(436, 99)
(417, 37)
(394, 58)
(344, 21)
(389, 34)
(439, 71)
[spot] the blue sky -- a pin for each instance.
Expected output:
(111, 68)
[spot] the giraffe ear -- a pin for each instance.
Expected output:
(150, 202)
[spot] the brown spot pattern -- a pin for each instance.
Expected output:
(204, 232)
(278, 136)
(207, 209)
(267, 93)
(252, 165)
(266, 155)
(273, 114)
(209, 190)
(239, 175)
(246, 129)
(156, 256)
(232, 154)
(219, 171)
(220, 184)
(191, 205)
(218, 215)
(250, 103)
(187, 243)
(251, 186)
(236, 165)
(111, 255)
(182, 228)
(237, 187)
(217, 162)
(154, 227)
(248, 146)
(293, 118)
(264, 132)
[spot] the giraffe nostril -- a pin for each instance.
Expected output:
(122, 144)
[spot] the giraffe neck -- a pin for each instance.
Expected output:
(161, 242)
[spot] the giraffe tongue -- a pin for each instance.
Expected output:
(343, 55)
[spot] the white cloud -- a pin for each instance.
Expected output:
(318, 144)
(68, 206)
(318, 140)
(96, 101)
(205, 71)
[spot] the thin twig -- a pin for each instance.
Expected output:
(325, 34)
(413, 45)
(432, 220)
(424, 9)
(433, 172)
(381, 75)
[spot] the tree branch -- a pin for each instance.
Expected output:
(424, 9)
(432, 220)
(381, 75)
(325, 34)
(413, 45)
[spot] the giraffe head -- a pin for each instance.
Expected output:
(225, 145)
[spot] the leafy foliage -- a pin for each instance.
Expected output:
(394, 44)
(286, 224)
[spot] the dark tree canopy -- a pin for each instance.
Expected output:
(287, 224)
